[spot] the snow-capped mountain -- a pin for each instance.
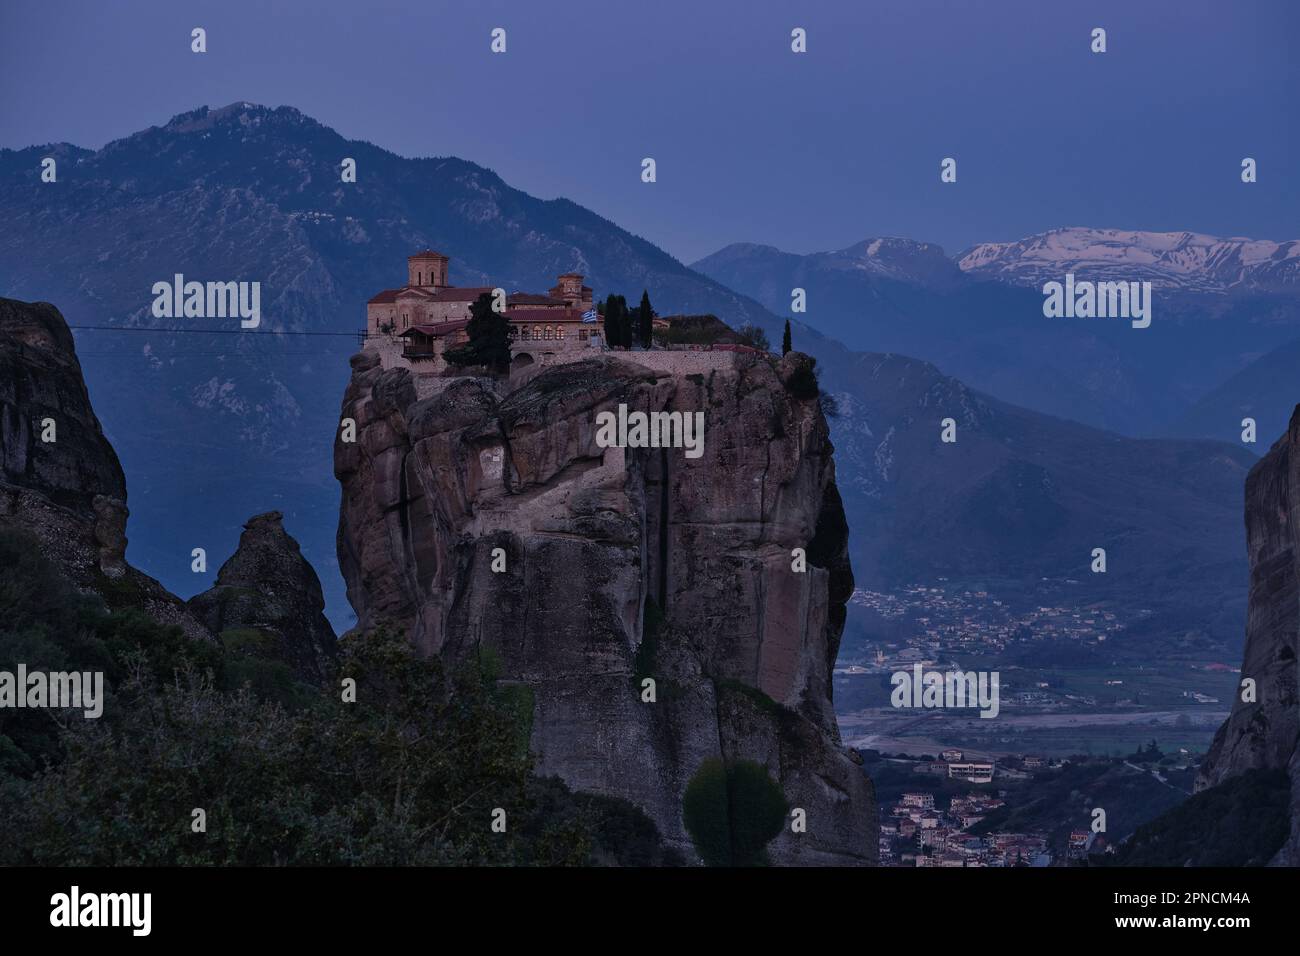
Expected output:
(1186, 261)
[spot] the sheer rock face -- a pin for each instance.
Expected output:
(620, 565)
(1264, 733)
(267, 585)
(69, 492)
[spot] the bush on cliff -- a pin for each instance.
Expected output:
(732, 810)
(803, 381)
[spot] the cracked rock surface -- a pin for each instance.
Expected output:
(1264, 733)
(620, 565)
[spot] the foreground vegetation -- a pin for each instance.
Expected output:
(283, 773)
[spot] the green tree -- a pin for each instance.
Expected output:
(618, 322)
(785, 339)
(489, 338)
(625, 330)
(644, 320)
(610, 313)
(732, 810)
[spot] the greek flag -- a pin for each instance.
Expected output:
(589, 315)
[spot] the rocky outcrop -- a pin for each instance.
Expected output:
(1264, 728)
(60, 479)
(268, 586)
(487, 522)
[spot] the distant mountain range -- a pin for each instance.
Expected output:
(1186, 261)
(1219, 305)
(1262, 391)
(1022, 496)
(212, 428)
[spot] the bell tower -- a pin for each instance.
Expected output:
(427, 269)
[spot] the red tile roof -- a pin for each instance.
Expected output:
(532, 298)
(388, 295)
(460, 294)
(427, 254)
(440, 329)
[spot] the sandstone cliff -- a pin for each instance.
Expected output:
(620, 565)
(268, 586)
(1264, 733)
(60, 479)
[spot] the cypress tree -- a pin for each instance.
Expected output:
(611, 320)
(644, 320)
(624, 323)
(785, 339)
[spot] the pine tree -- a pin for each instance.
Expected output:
(785, 339)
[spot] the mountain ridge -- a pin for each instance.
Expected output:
(249, 419)
(1181, 260)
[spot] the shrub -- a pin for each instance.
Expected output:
(732, 810)
(803, 382)
(705, 813)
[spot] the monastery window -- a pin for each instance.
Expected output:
(559, 332)
(582, 335)
(537, 331)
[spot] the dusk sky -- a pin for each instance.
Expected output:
(753, 142)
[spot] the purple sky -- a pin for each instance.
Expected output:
(753, 142)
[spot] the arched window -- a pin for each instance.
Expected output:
(537, 332)
(550, 332)
(419, 278)
(559, 332)
(523, 332)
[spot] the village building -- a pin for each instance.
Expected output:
(975, 772)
